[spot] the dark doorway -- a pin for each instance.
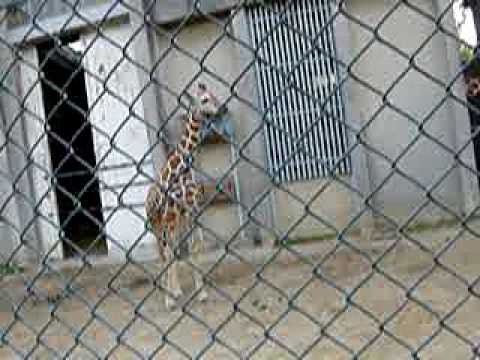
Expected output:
(472, 72)
(71, 150)
(474, 113)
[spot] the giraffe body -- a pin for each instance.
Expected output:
(174, 197)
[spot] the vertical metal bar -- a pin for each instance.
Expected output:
(318, 95)
(276, 99)
(273, 133)
(333, 101)
(321, 130)
(344, 138)
(314, 135)
(310, 71)
(298, 112)
(271, 86)
(276, 58)
(252, 21)
(289, 110)
(326, 116)
(304, 67)
(331, 86)
(327, 126)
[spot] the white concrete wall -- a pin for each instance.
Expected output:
(45, 203)
(328, 209)
(14, 211)
(120, 138)
(409, 95)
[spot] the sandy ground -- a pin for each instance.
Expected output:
(352, 304)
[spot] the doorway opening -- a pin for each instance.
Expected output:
(72, 153)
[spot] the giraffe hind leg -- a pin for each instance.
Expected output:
(172, 285)
(196, 247)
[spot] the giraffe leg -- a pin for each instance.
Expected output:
(196, 247)
(172, 285)
(176, 288)
(170, 302)
(166, 257)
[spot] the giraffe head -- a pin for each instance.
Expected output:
(204, 103)
(206, 111)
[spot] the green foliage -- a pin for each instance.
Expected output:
(468, 58)
(466, 53)
(9, 269)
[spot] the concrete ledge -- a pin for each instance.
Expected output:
(346, 263)
(173, 11)
(253, 256)
(165, 12)
(101, 14)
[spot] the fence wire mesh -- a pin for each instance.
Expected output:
(340, 193)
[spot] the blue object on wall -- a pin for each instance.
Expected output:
(220, 125)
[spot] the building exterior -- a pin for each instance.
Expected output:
(371, 99)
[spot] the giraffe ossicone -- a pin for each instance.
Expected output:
(174, 197)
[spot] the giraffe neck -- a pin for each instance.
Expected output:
(181, 158)
(191, 136)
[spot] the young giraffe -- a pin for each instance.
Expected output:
(174, 196)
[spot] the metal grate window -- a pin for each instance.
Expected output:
(297, 73)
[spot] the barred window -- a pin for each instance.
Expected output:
(297, 76)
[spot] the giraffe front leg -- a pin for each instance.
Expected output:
(196, 247)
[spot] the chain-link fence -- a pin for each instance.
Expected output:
(338, 173)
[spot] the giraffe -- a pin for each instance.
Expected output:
(174, 197)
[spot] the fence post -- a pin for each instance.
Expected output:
(361, 173)
(252, 181)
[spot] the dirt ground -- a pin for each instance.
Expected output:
(352, 304)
